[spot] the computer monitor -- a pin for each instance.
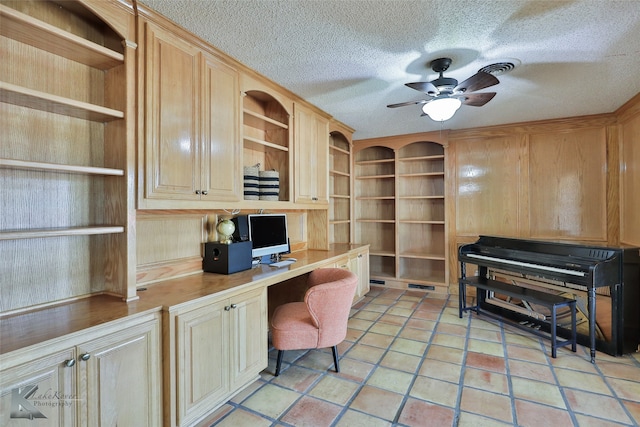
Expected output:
(268, 234)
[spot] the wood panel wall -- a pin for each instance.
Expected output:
(574, 179)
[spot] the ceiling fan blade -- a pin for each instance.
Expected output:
(478, 99)
(425, 87)
(478, 81)
(402, 104)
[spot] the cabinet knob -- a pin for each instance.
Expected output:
(69, 363)
(85, 357)
(234, 306)
(197, 191)
(204, 192)
(314, 198)
(227, 308)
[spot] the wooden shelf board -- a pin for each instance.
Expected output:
(421, 158)
(375, 198)
(421, 174)
(57, 232)
(260, 121)
(261, 145)
(53, 167)
(341, 150)
(375, 177)
(386, 221)
(376, 252)
(420, 197)
(419, 255)
(37, 100)
(28, 30)
(339, 196)
(337, 172)
(340, 221)
(419, 221)
(374, 162)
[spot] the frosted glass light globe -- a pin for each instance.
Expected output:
(225, 230)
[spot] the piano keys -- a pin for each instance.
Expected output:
(605, 281)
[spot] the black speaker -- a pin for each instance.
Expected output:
(242, 228)
(227, 259)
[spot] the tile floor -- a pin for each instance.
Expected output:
(408, 360)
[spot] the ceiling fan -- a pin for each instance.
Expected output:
(446, 94)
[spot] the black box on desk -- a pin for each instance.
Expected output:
(227, 259)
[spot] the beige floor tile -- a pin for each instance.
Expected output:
(297, 378)
(474, 420)
(400, 311)
(411, 305)
(445, 354)
(417, 413)
(582, 380)
(354, 370)
(359, 324)
(401, 361)
(486, 361)
(272, 400)
(625, 389)
(312, 412)
(634, 410)
(596, 405)
(358, 419)
(415, 334)
(587, 421)
(435, 391)
(531, 414)
(365, 353)
(419, 323)
(536, 391)
(484, 403)
(441, 370)
(402, 345)
(486, 380)
(486, 347)
(393, 320)
(391, 379)
(452, 329)
(484, 334)
(376, 340)
(526, 354)
(620, 369)
(334, 389)
(533, 371)
(366, 315)
(241, 418)
(385, 329)
(447, 340)
(377, 402)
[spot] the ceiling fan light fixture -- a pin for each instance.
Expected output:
(441, 109)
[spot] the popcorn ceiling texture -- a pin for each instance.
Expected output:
(352, 57)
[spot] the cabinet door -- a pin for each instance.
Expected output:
(312, 156)
(42, 390)
(221, 145)
(172, 143)
(122, 378)
(249, 337)
(202, 337)
(361, 268)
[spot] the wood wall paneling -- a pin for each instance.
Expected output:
(568, 184)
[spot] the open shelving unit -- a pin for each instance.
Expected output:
(64, 158)
(339, 188)
(267, 136)
(400, 212)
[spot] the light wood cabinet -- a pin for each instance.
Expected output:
(221, 346)
(311, 156)
(112, 378)
(357, 262)
(67, 120)
(191, 122)
(400, 211)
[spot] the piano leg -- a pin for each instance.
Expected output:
(591, 302)
(462, 290)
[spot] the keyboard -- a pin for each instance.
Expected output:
(283, 263)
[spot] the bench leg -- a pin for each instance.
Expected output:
(553, 331)
(573, 327)
(462, 298)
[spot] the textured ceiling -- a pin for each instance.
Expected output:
(352, 57)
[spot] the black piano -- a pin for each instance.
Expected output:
(605, 281)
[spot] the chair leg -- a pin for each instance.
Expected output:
(279, 362)
(335, 357)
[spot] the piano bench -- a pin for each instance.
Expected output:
(551, 301)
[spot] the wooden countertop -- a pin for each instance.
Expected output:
(30, 328)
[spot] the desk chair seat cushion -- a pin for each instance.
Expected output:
(321, 320)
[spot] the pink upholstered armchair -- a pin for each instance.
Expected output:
(321, 320)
